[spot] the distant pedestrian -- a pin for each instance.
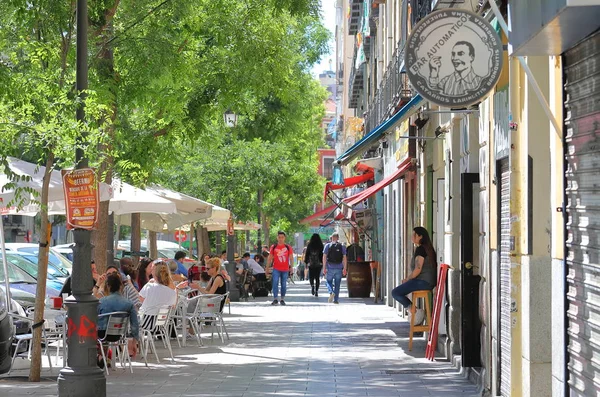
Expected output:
(281, 258)
(334, 257)
(313, 257)
(423, 274)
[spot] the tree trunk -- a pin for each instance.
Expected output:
(199, 242)
(38, 314)
(265, 228)
(206, 241)
(192, 235)
(136, 236)
(105, 67)
(219, 241)
(152, 245)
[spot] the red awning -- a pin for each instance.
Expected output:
(365, 194)
(320, 215)
(348, 182)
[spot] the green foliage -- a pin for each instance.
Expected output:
(162, 73)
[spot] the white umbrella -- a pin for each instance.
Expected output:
(35, 174)
(128, 199)
(189, 210)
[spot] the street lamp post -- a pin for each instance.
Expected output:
(230, 119)
(82, 377)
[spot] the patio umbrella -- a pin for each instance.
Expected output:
(129, 199)
(35, 174)
(188, 210)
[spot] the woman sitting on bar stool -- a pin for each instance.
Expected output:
(423, 274)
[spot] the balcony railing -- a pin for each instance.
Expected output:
(355, 15)
(420, 8)
(393, 91)
(356, 82)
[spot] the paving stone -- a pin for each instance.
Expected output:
(309, 348)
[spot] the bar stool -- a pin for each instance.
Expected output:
(423, 294)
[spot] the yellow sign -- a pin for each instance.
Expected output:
(402, 129)
(403, 151)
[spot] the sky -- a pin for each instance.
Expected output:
(328, 11)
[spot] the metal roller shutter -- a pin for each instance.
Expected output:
(582, 155)
(505, 299)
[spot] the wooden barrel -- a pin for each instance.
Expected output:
(359, 279)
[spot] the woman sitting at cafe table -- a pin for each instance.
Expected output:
(116, 302)
(158, 292)
(216, 285)
(101, 288)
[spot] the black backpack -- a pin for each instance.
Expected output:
(314, 259)
(335, 253)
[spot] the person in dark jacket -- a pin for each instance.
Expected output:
(313, 257)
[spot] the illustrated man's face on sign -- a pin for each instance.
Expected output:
(462, 56)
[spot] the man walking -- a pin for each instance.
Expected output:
(281, 257)
(334, 258)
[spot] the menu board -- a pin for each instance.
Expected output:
(81, 198)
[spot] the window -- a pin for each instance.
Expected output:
(328, 167)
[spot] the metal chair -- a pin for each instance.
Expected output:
(26, 338)
(116, 328)
(156, 325)
(210, 313)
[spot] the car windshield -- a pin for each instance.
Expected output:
(54, 258)
(32, 268)
(15, 275)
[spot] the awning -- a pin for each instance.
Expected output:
(365, 194)
(320, 215)
(348, 182)
(367, 141)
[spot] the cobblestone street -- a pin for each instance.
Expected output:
(308, 348)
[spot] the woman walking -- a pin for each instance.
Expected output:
(313, 257)
(423, 274)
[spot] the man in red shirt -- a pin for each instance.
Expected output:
(281, 257)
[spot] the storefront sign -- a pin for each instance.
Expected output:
(453, 58)
(405, 148)
(81, 198)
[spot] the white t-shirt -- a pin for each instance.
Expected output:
(156, 295)
(256, 268)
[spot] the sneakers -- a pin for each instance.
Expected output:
(317, 294)
(331, 296)
(336, 302)
(419, 316)
(282, 302)
(274, 303)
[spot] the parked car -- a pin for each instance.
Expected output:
(166, 250)
(6, 334)
(20, 280)
(54, 256)
(65, 250)
(56, 278)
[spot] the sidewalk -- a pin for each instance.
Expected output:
(308, 348)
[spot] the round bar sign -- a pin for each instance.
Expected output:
(453, 58)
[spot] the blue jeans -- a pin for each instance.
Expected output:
(279, 275)
(334, 275)
(399, 293)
